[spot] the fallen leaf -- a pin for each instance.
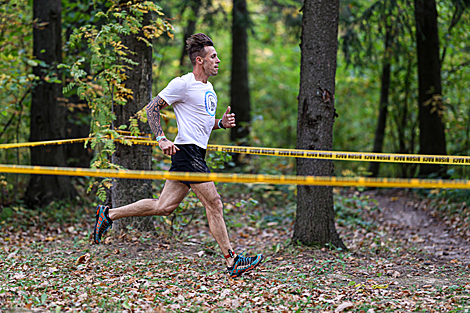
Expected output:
(132, 280)
(344, 306)
(19, 276)
(235, 303)
(83, 259)
(149, 298)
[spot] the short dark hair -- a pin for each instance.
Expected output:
(195, 46)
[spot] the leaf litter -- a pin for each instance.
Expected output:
(389, 267)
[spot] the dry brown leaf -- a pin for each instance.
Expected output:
(344, 306)
(132, 280)
(235, 303)
(149, 298)
(83, 259)
(226, 302)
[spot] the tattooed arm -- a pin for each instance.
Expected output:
(153, 115)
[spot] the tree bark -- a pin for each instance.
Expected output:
(47, 113)
(239, 87)
(383, 106)
(135, 157)
(431, 127)
(314, 223)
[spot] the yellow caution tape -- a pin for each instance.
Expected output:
(240, 178)
(41, 143)
(144, 140)
(310, 154)
(346, 156)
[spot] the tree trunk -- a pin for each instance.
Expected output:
(383, 106)
(47, 113)
(78, 126)
(431, 127)
(239, 88)
(314, 223)
(190, 29)
(135, 157)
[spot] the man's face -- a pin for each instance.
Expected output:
(210, 61)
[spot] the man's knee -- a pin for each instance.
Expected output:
(168, 210)
(164, 209)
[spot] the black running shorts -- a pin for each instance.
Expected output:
(189, 158)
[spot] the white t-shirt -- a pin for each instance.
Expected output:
(195, 104)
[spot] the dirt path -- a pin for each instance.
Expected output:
(409, 219)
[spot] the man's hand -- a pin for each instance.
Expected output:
(228, 119)
(168, 147)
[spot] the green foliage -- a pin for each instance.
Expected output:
(455, 77)
(96, 60)
(274, 66)
(350, 209)
(216, 160)
(364, 54)
(104, 85)
(16, 82)
(362, 32)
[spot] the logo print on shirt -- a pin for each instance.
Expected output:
(211, 103)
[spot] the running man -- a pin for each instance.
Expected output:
(195, 103)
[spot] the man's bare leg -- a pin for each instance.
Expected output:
(210, 198)
(172, 194)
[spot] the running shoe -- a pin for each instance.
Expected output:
(243, 264)
(102, 223)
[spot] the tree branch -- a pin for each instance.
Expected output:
(14, 114)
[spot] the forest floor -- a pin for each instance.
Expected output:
(404, 255)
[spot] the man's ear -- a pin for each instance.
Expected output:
(199, 60)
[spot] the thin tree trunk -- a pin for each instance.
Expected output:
(314, 223)
(383, 106)
(47, 113)
(239, 87)
(136, 157)
(431, 127)
(190, 29)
